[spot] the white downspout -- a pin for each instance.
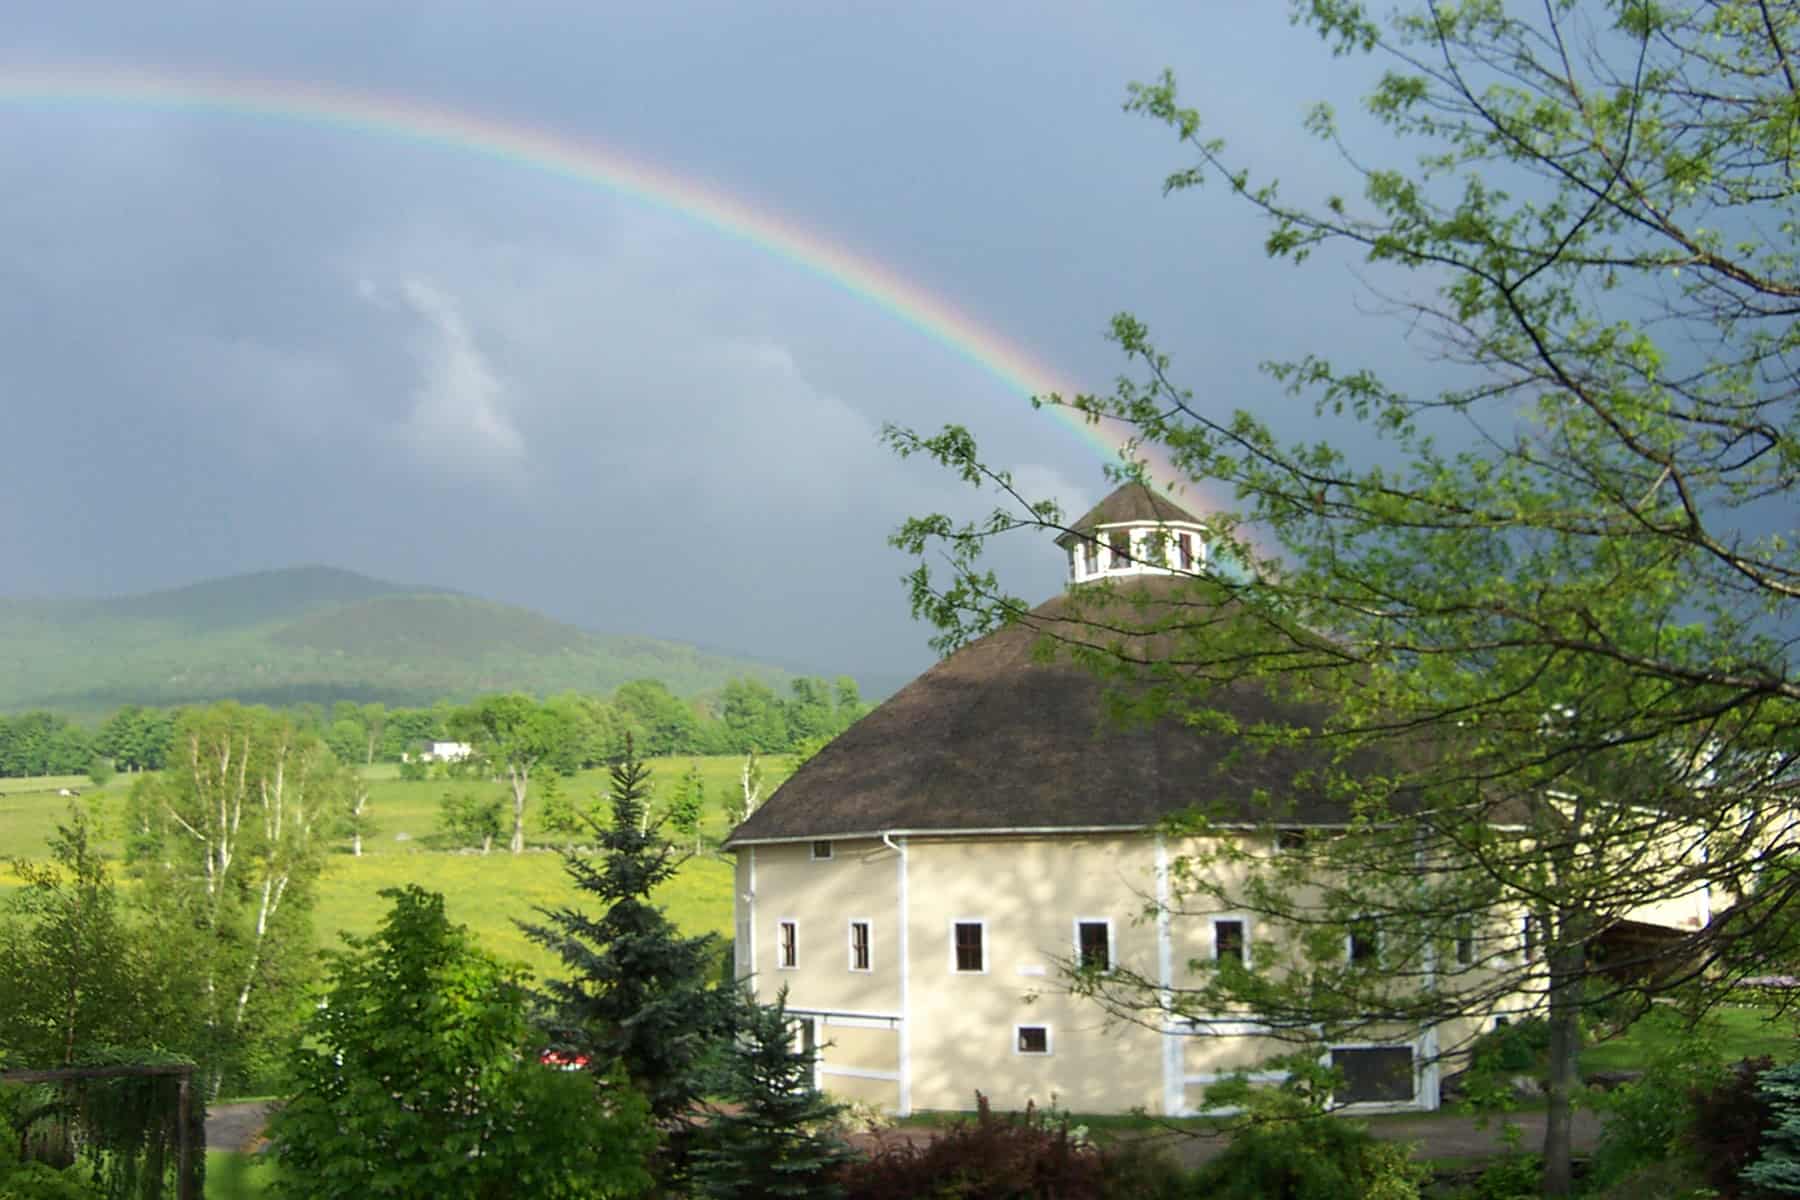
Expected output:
(1173, 1067)
(905, 1048)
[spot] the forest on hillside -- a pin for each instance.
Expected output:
(745, 715)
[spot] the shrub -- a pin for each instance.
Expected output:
(1024, 1156)
(1285, 1147)
(1726, 1132)
(1648, 1121)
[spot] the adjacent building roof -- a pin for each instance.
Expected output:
(993, 738)
(1130, 502)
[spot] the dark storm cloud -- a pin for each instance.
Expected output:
(235, 344)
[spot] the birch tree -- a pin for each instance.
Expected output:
(235, 826)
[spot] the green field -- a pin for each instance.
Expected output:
(486, 892)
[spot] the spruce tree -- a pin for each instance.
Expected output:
(771, 1141)
(1777, 1169)
(637, 993)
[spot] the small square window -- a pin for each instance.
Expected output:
(1365, 943)
(788, 949)
(971, 952)
(1290, 841)
(1093, 945)
(1032, 1039)
(821, 850)
(1228, 940)
(859, 945)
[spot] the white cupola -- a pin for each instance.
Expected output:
(1135, 531)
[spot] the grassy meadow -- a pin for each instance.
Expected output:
(488, 892)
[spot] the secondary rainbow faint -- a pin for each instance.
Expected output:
(582, 159)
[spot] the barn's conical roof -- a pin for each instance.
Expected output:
(995, 738)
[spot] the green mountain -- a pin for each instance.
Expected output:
(318, 634)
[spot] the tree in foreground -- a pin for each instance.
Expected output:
(227, 841)
(772, 1136)
(638, 993)
(1558, 606)
(420, 1075)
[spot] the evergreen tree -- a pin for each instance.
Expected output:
(1778, 1169)
(638, 992)
(773, 1142)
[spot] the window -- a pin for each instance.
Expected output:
(1373, 1073)
(1229, 939)
(788, 946)
(1155, 548)
(1184, 550)
(821, 850)
(1290, 841)
(1364, 943)
(1090, 555)
(1528, 938)
(1465, 949)
(1031, 1039)
(859, 946)
(1119, 543)
(1093, 944)
(968, 951)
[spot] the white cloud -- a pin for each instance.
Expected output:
(462, 410)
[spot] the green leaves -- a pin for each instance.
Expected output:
(420, 1075)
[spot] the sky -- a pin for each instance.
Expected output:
(233, 342)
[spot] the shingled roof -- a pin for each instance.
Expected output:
(992, 738)
(1129, 502)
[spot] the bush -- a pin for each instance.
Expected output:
(1024, 1156)
(1309, 1157)
(1649, 1120)
(1726, 1133)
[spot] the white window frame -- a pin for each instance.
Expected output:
(981, 922)
(781, 927)
(850, 943)
(1212, 926)
(1112, 946)
(1049, 1040)
(813, 850)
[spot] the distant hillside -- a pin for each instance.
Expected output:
(318, 634)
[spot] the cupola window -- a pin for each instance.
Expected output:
(1119, 542)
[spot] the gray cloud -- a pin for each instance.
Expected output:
(234, 343)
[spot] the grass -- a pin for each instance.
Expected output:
(489, 893)
(231, 1175)
(1737, 1032)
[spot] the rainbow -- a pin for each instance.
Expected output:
(585, 161)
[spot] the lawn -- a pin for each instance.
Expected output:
(489, 893)
(234, 1176)
(1736, 1032)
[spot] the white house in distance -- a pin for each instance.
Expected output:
(914, 884)
(436, 751)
